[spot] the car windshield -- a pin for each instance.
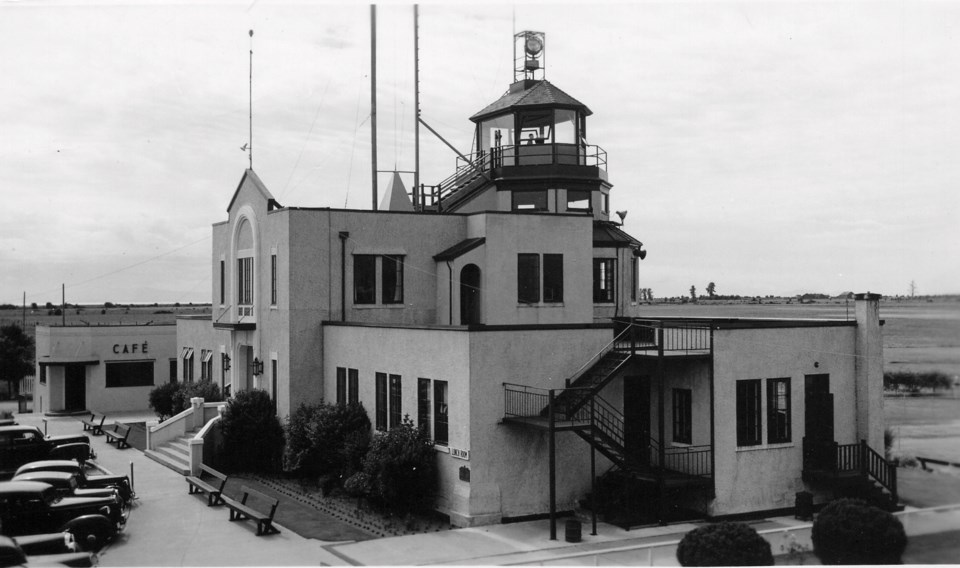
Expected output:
(51, 495)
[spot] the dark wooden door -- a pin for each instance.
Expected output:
(818, 422)
(470, 295)
(636, 417)
(75, 388)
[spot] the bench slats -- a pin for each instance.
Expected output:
(118, 435)
(241, 510)
(198, 485)
(91, 424)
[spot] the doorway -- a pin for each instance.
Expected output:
(75, 388)
(818, 422)
(470, 295)
(636, 417)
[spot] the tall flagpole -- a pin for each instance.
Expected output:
(416, 106)
(373, 99)
(250, 146)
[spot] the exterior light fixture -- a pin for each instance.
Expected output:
(225, 360)
(257, 366)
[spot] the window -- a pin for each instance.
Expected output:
(223, 281)
(129, 374)
(529, 200)
(392, 279)
(245, 280)
(43, 373)
(423, 404)
(682, 416)
(606, 203)
(274, 382)
(395, 401)
(553, 278)
(778, 411)
(440, 409)
(748, 413)
(578, 200)
(381, 401)
(206, 365)
(364, 279)
(341, 385)
(187, 357)
(528, 278)
(353, 386)
(173, 370)
(634, 268)
(603, 271)
(273, 280)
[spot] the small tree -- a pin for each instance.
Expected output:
(711, 289)
(848, 531)
(161, 400)
(252, 433)
(693, 293)
(724, 544)
(16, 356)
(326, 439)
(401, 466)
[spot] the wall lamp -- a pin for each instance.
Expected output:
(257, 366)
(225, 360)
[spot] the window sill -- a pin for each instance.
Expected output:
(765, 447)
(441, 449)
(541, 305)
(379, 306)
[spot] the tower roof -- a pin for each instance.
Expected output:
(530, 93)
(396, 198)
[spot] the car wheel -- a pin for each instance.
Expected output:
(90, 531)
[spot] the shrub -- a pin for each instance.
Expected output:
(162, 399)
(724, 544)
(401, 464)
(252, 433)
(357, 485)
(848, 531)
(326, 439)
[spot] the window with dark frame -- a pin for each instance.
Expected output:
(245, 281)
(578, 200)
(441, 424)
(778, 411)
(529, 200)
(223, 282)
(683, 416)
(173, 370)
(634, 272)
(603, 272)
(553, 278)
(749, 431)
(395, 401)
(381, 401)
(423, 405)
(129, 374)
(392, 279)
(353, 386)
(364, 279)
(273, 280)
(528, 278)
(275, 379)
(43, 373)
(341, 385)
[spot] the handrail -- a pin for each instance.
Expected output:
(599, 355)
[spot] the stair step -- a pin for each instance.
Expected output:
(181, 467)
(174, 451)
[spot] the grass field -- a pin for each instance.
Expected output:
(155, 315)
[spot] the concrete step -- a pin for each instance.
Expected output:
(177, 465)
(174, 451)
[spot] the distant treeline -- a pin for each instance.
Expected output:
(915, 381)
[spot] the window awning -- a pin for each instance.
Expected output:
(186, 353)
(206, 358)
(57, 360)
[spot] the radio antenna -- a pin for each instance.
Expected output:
(250, 99)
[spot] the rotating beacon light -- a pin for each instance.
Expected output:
(528, 55)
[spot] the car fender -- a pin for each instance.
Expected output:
(78, 451)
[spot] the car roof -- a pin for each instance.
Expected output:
(41, 475)
(9, 487)
(49, 465)
(18, 428)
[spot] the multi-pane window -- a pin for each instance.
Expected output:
(347, 385)
(603, 272)
(528, 278)
(749, 431)
(778, 411)
(381, 401)
(392, 279)
(423, 404)
(206, 364)
(187, 358)
(682, 416)
(353, 386)
(553, 278)
(245, 281)
(364, 279)
(395, 401)
(440, 409)
(341, 385)
(273, 280)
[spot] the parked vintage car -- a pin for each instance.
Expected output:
(30, 507)
(120, 482)
(13, 554)
(21, 444)
(65, 483)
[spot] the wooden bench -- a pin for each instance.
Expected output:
(241, 510)
(95, 427)
(198, 485)
(118, 435)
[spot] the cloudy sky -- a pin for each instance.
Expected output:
(772, 148)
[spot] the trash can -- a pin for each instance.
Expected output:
(573, 528)
(804, 506)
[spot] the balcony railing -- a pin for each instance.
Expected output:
(831, 457)
(691, 460)
(638, 334)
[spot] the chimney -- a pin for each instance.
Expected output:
(869, 370)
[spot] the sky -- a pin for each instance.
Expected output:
(771, 148)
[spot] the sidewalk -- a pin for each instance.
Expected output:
(169, 527)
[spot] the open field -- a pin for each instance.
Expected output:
(91, 315)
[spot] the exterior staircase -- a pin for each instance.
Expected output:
(589, 383)
(174, 454)
(851, 470)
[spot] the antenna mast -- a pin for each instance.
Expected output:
(250, 141)
(373, 98)
(416, 106)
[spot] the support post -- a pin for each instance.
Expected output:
(661, 451)
(373, 100)
(553, 469)
(593, 471)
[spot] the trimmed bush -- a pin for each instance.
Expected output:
(849, 531)
(326, 439)
(401, 465)
(252, 434)
(170, 399)
(162, 400)
(724, 544)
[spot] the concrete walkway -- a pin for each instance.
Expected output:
(169, 527)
